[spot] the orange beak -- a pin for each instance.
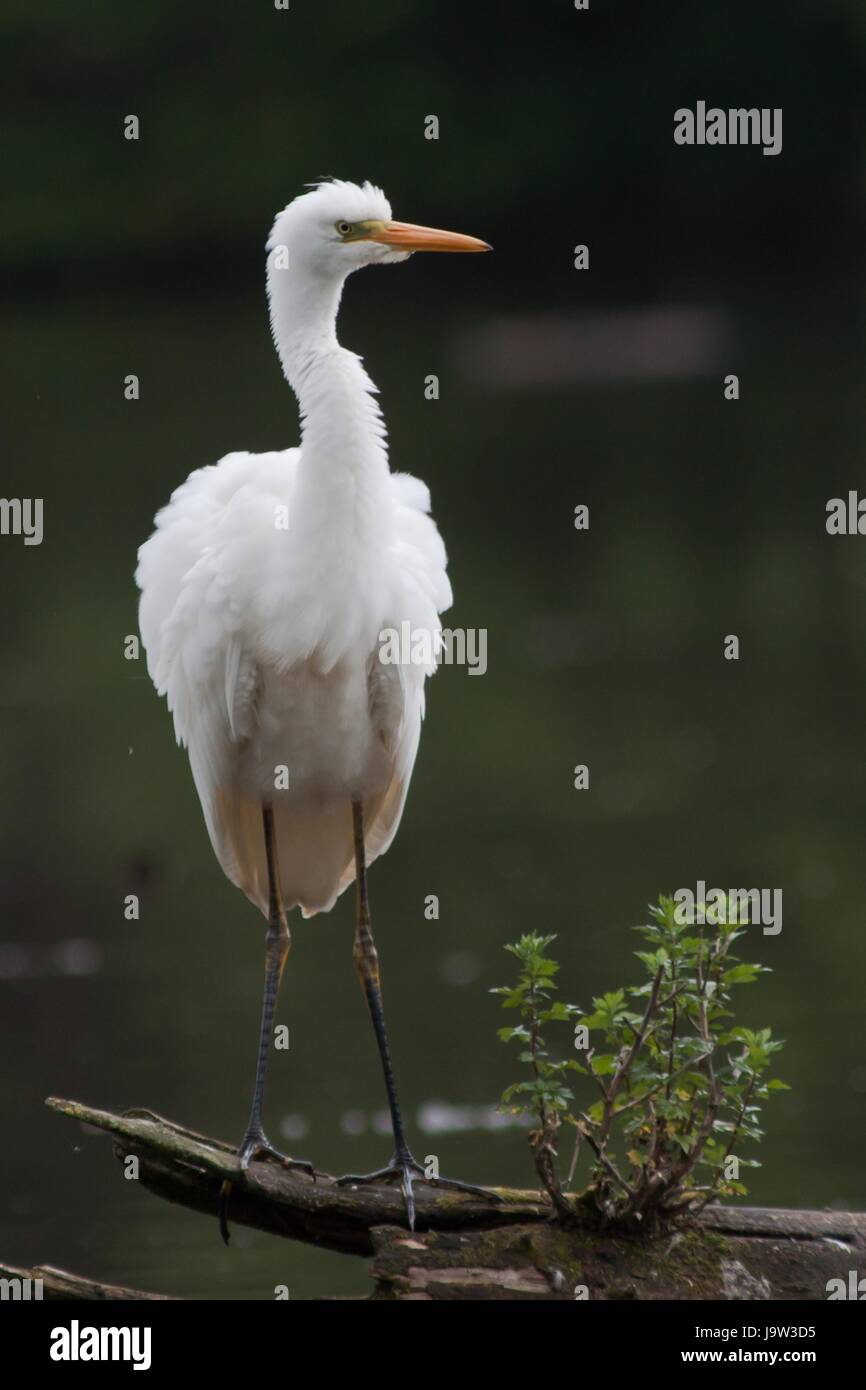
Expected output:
(403, 236)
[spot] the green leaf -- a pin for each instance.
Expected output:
(520, 1031)
(603, 1065)
(742, 974)
(558, 1012)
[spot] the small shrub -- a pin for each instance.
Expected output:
(679, 1086)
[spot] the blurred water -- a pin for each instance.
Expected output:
(604, 648)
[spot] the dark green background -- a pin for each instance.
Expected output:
(707, 517)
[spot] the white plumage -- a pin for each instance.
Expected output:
(264, 638)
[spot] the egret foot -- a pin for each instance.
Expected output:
(254, 1145)
(407, 1168)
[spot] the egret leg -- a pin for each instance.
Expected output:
(278, 942)
(403, 1164)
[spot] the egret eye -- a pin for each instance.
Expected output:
(344, 228)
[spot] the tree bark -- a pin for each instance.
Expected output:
(468, 1247)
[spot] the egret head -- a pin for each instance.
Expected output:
(338, 227)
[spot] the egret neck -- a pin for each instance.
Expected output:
(342, 496)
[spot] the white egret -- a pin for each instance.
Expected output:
(265, 636)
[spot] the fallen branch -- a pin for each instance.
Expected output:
(189, 1168)
(46, 1282)
(468, 1248)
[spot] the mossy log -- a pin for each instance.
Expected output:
(745, 1253)
(188, 1168)
(467, 1247)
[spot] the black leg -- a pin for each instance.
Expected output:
(277, 945)
(402, 1165)
(366, 960)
